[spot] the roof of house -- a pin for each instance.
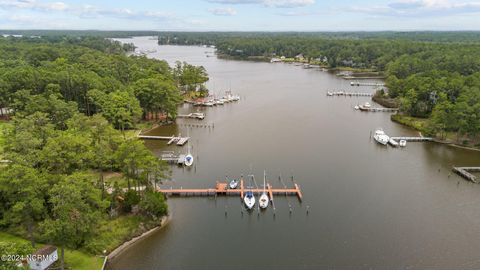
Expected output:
(46, 250)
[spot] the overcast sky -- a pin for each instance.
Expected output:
(241, 15)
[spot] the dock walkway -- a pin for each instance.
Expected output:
(349, 94)
(377, 109)
(413, 139)
(366, 84)
(222, 189)
(171, 139)
(465, 172)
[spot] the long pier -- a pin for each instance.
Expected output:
(349, 94)
(366, 84)
(377, 109)
(222, 189)
(465, 172)
(413, 139)
(171, 139)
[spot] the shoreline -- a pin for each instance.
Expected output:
(135, 240)
(435, 139)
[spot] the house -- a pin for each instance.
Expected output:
(43, 258)
(299, 57)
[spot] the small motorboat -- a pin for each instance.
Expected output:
(198, 115)
(209, 103)
(356, 107)
(188, 160)
(393, 143)
(381, 137)
(233, 184)
(249, 199)
(403, 143)
(329, 94)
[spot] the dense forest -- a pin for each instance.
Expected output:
(71, 101)
(431, 75)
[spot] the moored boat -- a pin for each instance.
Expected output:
(263, 201)
(381, 137)
(393, 143)
(233, 184)
(249, 199)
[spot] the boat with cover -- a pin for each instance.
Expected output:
(381, 137)
(233, 184)
(249, 199)
(263, 201)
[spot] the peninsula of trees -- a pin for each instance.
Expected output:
(72, 174)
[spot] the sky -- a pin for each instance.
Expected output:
(241, 15)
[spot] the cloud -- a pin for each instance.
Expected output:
(410, 8)
(223, 11)
(268, 3)
(33, 5)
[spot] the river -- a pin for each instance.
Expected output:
(370, 206)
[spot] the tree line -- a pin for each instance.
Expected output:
(94, 74)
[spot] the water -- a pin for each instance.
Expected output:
(370, 207)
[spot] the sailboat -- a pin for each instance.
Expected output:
(249, 199)
(263, 201)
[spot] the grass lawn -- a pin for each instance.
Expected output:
(413, 122)
(113, 233)
(74, 259)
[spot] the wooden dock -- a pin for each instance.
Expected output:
(349, 94)
(222, 189)
(173, 158)
(366, 84)
(199, 116)
(377, 109)
(413, 139)
(171, 139)
(465, 172)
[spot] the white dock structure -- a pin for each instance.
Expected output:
(349, 94)
(377, 109)
(171, 139)
(200, 116)
(171, 157)
(357, 83)
(413, 139)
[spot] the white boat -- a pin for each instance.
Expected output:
(219, 102)
(198, 115)
(263, 201)
(208, 103)
(249, 199)
(235, 97)
(188, 160)
(403, 143)
(367, 105)
(356, 107)
(393, 143)
(189, 157)
(381, 137)
(233, 184)
(329, 94)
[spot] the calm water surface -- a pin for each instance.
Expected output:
(371, 207)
